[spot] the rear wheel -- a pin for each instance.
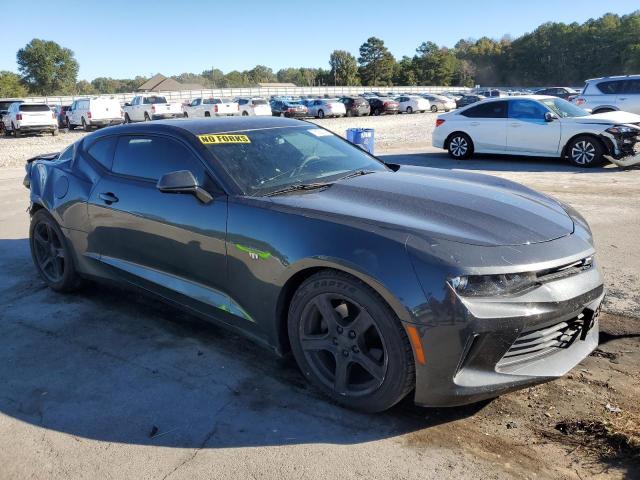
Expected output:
(185, 115)
(320, 113)
(207, 114)
(349, 343)
(127, 119)
(460, 146)
(409, 110)
(376, 111)
(50, 253)
(146, 117)
(434, 108)
(85, 127)
(16, 132)
(245, 114)
(585, 152)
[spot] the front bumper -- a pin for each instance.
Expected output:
(499, 345)
(624, 149)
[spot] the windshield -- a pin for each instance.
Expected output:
(564, 109)
(272, 159)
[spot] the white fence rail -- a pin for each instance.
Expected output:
(266, 92)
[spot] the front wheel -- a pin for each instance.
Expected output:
(585, 152)
(434, 108)
(320, 113)
(85, 127)
(409, 110)
(460, 146)
(245, 114)
(50, 253)
(349, 343)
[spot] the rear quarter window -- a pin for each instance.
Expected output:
(102, 151)
(612, 87)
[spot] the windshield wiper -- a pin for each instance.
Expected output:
(297, 187)
(357, 173)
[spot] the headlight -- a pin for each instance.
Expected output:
(623, 129)
(492, 285)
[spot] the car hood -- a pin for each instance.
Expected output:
(607, 118)
(457, 206)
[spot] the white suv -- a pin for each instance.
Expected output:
(611, 93)
(94, 112)
(29, 117)
(253, 106)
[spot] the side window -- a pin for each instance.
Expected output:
(633, 86)
(102, 151)
(611, 87)
(487, 110)
(151, 157)
(526, 110)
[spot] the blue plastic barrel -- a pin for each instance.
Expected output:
(362, 137)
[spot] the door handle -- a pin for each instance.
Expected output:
(515, 125)
(474, 124)
(622, 98)
(108, 198)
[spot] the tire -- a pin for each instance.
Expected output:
(68, 124)
(376, 112)
(374, 354)
(55, 132)
(207, 115)
(409, 110)
(85, 127)
(349, 113)
(460, 146)
(185, 115)
(434, 108)
(127, 118)
(146, 117)
(245, 114)
(16, 132)
(320, 113)
(585, 152)
(60, 273)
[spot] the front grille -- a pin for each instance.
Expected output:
(544, 341)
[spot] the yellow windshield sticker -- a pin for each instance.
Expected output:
(214, 139)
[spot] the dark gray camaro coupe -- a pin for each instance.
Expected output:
(381, 279)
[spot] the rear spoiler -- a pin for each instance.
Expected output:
(44, 156)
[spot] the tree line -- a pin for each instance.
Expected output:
(553, 54)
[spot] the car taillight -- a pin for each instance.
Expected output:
(53, 115)
(439, 121)
(581, 101)
(18, 116)
(238, 107)
(88, 114)
(153, 108)
(215, 108)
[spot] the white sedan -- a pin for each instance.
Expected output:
(413, 103)
(541, 126)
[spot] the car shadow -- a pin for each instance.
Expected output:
(116, 366)
(492, 163)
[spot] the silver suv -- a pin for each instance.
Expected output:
(611, 93)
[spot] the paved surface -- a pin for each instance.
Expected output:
(107, 384)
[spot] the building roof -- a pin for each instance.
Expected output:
(160, 83)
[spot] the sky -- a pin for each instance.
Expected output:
(122, 39)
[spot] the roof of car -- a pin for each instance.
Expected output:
(209, 125)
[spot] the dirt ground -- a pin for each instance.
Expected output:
(108, 384)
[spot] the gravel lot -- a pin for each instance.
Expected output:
(108, 384)
(392, 132)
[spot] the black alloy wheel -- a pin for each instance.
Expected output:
(349, 343)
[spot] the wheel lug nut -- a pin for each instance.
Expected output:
(352, 334)
(355, 349)
(345, 353)
(340, 330)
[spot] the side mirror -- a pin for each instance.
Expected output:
(550, 117)
(183, 181)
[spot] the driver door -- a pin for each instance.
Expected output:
(528, 132)
(171, 244)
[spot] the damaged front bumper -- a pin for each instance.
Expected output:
(624, 148)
